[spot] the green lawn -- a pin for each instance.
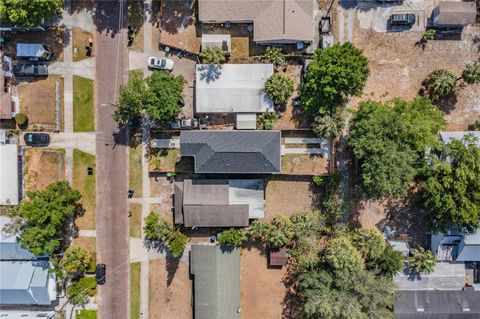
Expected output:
(164, 160)
(135, 166)
(85, 184)
(135, 290)
(89, 284)
(86, 314)
(136, 220)
(83, 110)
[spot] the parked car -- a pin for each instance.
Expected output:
(402, 19)
(100, 273)
(160, 64)
(37, 139)
(30, 70)
(184, 124)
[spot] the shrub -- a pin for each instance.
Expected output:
(267, 120)
(176, 242)
(75, 260)
(280, 231)
(471, 74)
(274, 55)
(440, 83)
(232, 237)
(212, 55)
(21, 119)
(422, 261)
(279, 88)
(257, 230)
(328, 126)
(318, 180)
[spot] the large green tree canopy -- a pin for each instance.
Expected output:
(45, 216)
(28, 13)
(451, 192)
(389, 140)
(158, 95)
(333, 75)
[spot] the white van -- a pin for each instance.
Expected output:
(33, 51)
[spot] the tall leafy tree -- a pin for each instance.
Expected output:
(232, 237)
(440, 83)
(342, 255)
(451, 191)
(45, 217)
(333, 75)
(28, 13)
(389, 140)
(176, 242)
(75, 260)
(157, 96)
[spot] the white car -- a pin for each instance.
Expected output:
(160, 64)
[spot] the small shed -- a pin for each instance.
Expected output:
(246, 121)
(278, 257)
(454, 13)
(217, 40)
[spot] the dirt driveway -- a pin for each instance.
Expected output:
(398, 66)
(170, 295)
(263, 291)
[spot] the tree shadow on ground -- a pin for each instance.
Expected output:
(171, 267)
(177, 15)
(291, 301)
(406, 220)
(108, 18)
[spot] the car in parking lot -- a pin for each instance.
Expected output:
(36, 139)
(402, 19)
(30, 70)
(100, 273)
(160, 64)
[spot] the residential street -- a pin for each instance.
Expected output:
(112, 160)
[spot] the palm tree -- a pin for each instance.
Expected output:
(440, 83)
(328, 126)
(422, 261)
(471, 74)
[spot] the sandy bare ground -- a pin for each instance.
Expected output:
(170, 290)
(398, 66)
(43, 167)
(285, 196)
(263, 291)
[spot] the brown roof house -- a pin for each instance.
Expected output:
(454, 14)
(218, 202)
(274, 21)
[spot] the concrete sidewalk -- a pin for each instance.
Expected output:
(82, 141)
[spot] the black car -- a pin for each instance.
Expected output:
(37, 139)
(100, 272)
(403, 19)
(30, 70)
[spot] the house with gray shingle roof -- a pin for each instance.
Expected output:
(218, 202)
(234, 152)
(216, 282)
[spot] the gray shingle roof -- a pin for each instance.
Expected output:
(461, 304)
(233, 151)
(216, 272)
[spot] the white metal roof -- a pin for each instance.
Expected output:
(445, 276)
(8, 174)
(232, 88)
(217, 40)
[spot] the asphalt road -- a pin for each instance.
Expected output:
(111, 69)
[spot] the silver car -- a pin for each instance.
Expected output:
(160, 64)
